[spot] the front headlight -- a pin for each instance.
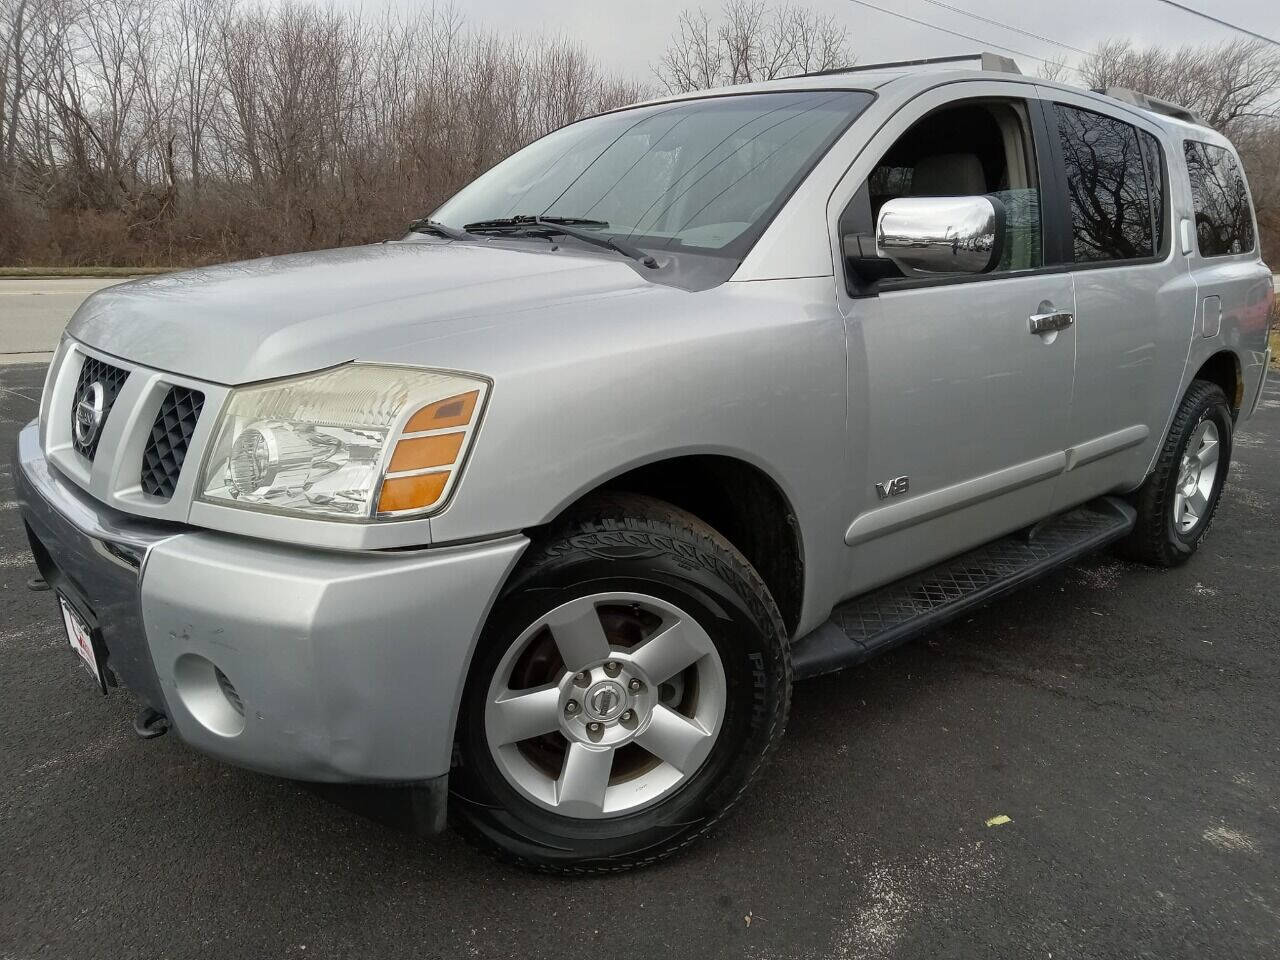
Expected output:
(357, 442)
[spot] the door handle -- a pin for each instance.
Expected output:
(1049, 322)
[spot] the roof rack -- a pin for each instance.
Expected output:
(1154, 104)
(984, 61)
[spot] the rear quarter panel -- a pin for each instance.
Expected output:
(1242, 282)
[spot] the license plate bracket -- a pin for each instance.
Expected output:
(85, 641)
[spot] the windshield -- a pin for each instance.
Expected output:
(704, 176)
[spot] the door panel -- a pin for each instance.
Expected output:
(957, 394)
(1134, 320)
(1133, 326)
(949, 387)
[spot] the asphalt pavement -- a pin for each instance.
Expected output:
(1125, 719)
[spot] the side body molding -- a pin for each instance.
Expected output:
(1105, 445)
(905, 513)
(885, 520)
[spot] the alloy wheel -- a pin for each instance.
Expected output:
(605, 705)
(1196, 477)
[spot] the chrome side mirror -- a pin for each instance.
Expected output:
(938, 235)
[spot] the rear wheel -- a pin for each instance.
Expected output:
(1177, 502)
(632, 679)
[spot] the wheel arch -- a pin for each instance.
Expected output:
(739, 500)
(1224, 369)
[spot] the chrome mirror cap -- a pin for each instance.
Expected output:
(939, 235)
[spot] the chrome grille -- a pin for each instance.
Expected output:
(170, 437)
(111, 380)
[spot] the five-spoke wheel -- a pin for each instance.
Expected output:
(605, 704)
(1198, 472)
(632, 679)
(1176, 502)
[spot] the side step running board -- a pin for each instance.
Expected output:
(867, 625)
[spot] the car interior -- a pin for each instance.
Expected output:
(973, 148)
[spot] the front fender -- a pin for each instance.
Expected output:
(750, 370)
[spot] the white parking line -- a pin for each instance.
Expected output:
(9, 391)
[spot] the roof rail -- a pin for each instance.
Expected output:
(984, 61)
(1154, 104)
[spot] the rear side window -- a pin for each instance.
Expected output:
(1154, 158)
(1224, 222)
(1111, 200)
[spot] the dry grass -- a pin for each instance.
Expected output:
(36, 272)
(1275, 333)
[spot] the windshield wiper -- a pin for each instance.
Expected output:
(568, 226)
(528, 219)
(427, 225)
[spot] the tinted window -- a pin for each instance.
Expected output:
(1154, 158)
(1224, 222)
(1107, 186)
(702, 175)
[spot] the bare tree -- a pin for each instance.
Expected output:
(195, 26)
(25, 51)
(14, 29)
(1225, 83)
(136, 131)
(1259, 147)
(693, 59)
(1054, 68)
(1234, 86)
(751, 41)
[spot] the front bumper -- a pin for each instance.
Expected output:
(348, 667)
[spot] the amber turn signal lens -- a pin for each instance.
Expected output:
(450, 412)
(417, 453)
(411, 493)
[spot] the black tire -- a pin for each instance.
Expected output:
(1155, 538)
(619, 542)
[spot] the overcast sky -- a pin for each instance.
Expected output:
(631, 34)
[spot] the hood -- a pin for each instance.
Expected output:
(278, 316)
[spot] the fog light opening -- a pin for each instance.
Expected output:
(209, 695)
(229, 691)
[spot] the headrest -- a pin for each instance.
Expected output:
(949, 175)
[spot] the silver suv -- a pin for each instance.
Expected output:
(539, 511)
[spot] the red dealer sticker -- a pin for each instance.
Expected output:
(81, 639)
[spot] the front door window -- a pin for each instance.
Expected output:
(978, 147)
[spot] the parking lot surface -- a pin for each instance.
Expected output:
(1125, 719)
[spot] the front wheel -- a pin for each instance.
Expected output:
(1176, 504)
(631, 681)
